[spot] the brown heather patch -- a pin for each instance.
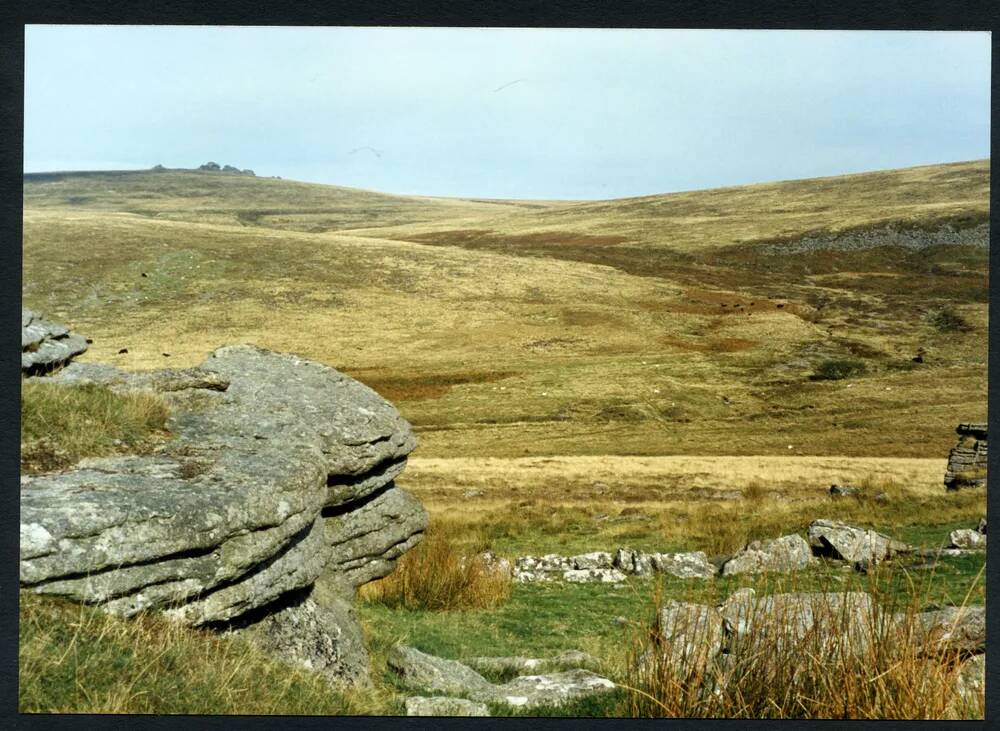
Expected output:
(704, 345)
(421, 387)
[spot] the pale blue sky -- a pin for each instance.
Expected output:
(503, 112)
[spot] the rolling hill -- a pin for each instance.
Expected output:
(781, 318)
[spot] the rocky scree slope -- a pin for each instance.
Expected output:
(271, 503)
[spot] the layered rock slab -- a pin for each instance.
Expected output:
(46, 345)
(228, 515)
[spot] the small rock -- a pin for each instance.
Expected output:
(602, 576)
(594, 560)
(842, 490)
(444, 706)
(967, 538)
(436, 674)
(473, 493)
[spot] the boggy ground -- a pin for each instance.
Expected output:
(675, 372)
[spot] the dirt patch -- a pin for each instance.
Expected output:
(424, 386)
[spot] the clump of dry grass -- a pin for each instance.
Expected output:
(441, 574)
(75, 659)
(62, 424)
(884, 668)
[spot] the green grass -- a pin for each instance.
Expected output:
(61, 425)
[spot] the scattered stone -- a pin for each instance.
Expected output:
(620, 621)
(473, 493)
(444, 706)
(952, 629)
(822, 623)
(601, 576)
(982, 525)
(787, 553)
(967, 538)
(967, 460)
(847, 543)
(425, 672)
(46, 345)
(595, 560)
(556, 689)
(691, 565)
(842, 490)
(439, 675)
(496, 564)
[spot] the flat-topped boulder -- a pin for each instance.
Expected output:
(46, 345)
(279, 472)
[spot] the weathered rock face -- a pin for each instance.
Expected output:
(278, 478)
(428, 673)
(841, 541)
(952, 629)
(46, 345)
(691, 635)
(967, 460)
(788, 553)
(822, 623)
(967, 538)
(442, 705)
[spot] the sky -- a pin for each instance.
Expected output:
(505, 113)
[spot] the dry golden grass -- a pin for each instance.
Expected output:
(442, 573)
(61, 425)
(661, 345)
(898, 673)
(716, 504)
(75, 659)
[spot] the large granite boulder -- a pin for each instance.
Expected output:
(46, 345)
(278, 478)
(832, 623)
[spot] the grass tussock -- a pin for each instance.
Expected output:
(877, 665)
(61, 425)
(441, 574)
(76, 659)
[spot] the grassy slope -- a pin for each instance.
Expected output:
(518, 344)
(542, 330)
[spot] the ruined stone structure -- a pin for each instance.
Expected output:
(967, 460)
